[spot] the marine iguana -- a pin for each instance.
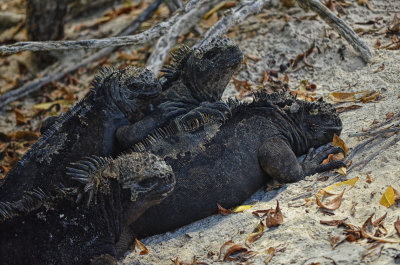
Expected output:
(193, 86)
(227, 163)
(65, 233)
(118, 97)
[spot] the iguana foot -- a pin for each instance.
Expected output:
(172, 109)
(312, 162)
(214, 110)
(89, 172)
(105, 259)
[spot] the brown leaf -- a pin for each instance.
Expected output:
(19, 117)
(335, 202)
(397, 226)
(143, 249)
(348, 108)
(370, 97)
(379, 220)
(270, 254)
(274, 219)
(389, 115)
(24, 136)
(332, 222)
(256, 234)
(367, 231)
(377, 44)
(337, 141)
(222, 210)
(263, 212)
(369, 180)
(228, 249)
(380, 68)
(336, 240)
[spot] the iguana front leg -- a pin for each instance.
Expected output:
(280, 162)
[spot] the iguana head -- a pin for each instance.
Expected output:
(320, 122)
(210, 67)
(317, 121)
(131, 89)
(206, 70)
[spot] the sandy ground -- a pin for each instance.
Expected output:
(301, 239)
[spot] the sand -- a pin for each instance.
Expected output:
(301, 239)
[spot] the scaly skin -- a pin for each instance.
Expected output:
(193, 87)
(67, 233)
(227, 163)
(118, 97)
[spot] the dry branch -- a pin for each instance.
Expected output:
(238, 14)
(181, 27)
(342, 28)
(137, 39)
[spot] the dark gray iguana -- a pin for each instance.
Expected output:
(193, 87)
(66, 233)
(227, 163)
(118, 97)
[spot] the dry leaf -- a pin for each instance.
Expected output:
(335, 202)
(397, 226)
(48, 105)
(365, 3)
(332, 222)
(228, 249)
(367, 229)
(370, 97)
(256, 234)
(387, 199)
(351, 107)
(274, 219)
(377, 44)
(369, 180)
(222, 210)
(334, 187)
(24, 136)
(342, 171)
(263, 212)
(270, 254)
(389, 115)
(336, 240)
(19, 117)
(143, 249)
(337, 141)
(241, 208)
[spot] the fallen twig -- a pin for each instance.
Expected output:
(344, 30)
(237, 15)
(138, 39)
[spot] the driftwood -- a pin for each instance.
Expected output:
(62, 70)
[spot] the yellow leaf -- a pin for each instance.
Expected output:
(342, 171)
(387, 199)
(241, 208)
(303, 84)
(337, 141)
(47, 105)
(334, 187)
(342, 96)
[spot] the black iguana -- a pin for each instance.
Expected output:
(62, 232)
(118, 97)
(193, 87)
(227, 163)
